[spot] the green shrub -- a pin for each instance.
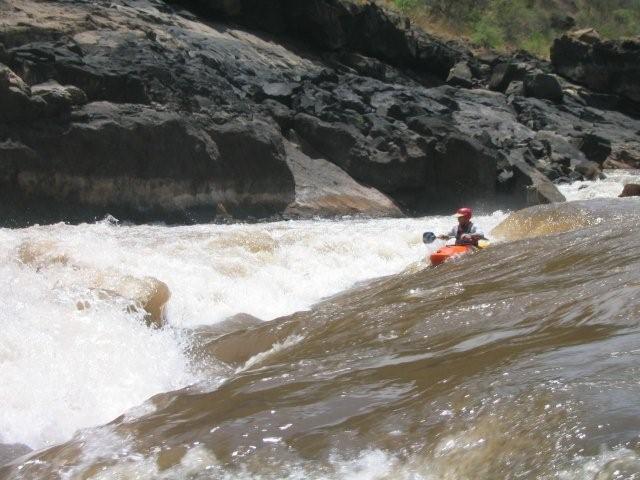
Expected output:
(487, 34)
(612, 18)
(406, 5)
(537, 43)
(524, 24)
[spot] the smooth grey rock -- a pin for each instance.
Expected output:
(324, 189)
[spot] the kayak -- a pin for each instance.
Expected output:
(445, 253)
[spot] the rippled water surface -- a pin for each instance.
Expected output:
(518, 361)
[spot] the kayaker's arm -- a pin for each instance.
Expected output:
(447, 236)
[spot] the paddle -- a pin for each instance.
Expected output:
(428, 237)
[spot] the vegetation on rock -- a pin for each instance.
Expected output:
(523, 24)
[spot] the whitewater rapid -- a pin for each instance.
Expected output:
(610, 186)
(74, 356)
(75, 351)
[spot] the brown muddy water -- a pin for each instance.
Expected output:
(520, 361)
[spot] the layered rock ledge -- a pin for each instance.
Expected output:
(212, 110)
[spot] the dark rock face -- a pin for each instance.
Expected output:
(595, 147)
(143, 110)
(505, 73)
(603, 66)
(542, 85)
(135, 158)
(342, 25)
(468, 164)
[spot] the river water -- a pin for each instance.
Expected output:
(269, 350)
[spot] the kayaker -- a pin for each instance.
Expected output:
(465, 232)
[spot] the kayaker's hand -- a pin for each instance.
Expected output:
(467, 239)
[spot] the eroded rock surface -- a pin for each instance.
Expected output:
(148, 110)
(603, 66)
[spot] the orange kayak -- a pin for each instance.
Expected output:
(445, 253)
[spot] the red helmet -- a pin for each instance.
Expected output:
(464, 212)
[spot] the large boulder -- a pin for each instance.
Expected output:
(558, 149)
(332, 140)
(505, 73)
(59, 99)
(390, 163)
(624, 155)
(543, 85)
(463, 171)
(595, 147)
(525, 185)
(588, 169)
(603, 66)
(460, 75)
(324, 189)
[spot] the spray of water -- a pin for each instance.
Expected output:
(77, 349)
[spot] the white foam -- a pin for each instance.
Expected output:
(63, 368)
(266, 270)
(616, 464)
(275, 348)
(611, 186)
(374, 464)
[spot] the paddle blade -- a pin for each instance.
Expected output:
(428, 237)
(483, 243)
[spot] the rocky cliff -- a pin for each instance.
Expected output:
(207, 110)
